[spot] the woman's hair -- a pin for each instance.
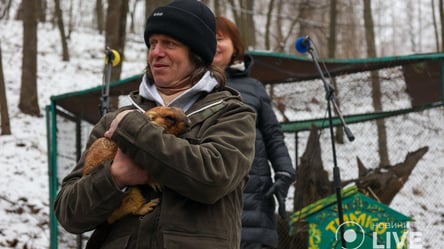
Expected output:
(226, 27)
(198, 73)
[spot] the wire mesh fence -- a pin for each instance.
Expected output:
(420, 197)
(407, 131)
(72, 135)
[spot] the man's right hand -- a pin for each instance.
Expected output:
(126, 172)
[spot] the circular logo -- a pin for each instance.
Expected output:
(354, 235)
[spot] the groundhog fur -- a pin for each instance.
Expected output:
(174, 121)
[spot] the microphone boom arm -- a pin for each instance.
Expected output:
(112, 58)
(331, 99)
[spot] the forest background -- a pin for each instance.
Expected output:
(338, 28)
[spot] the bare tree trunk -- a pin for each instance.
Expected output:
(250, 39)
(277, 25)
(236, 14)
(5, 13)
(349, 48)
(411, 26)
(132, 28)
(71, 19)
(19, 14)
(42, 10)
(376, 85)
(281, 37)
(441, 17)
(331, 54)
(435, 26)
(268, 25)
(116, 31)
(4, 114)
(60, 24)
(306, 12)
(218, 8)
(28, 102)
(332, 29)
(100, 16)
(244, 21)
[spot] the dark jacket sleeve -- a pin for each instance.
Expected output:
(272, 135)
(92, 197)
(205, 168)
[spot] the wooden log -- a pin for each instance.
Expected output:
(383, 183)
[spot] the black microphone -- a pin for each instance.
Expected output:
(303, 44)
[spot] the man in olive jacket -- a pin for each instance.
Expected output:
(202, 176)
(202, 173)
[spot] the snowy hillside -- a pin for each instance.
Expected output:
(24, 202)
(23, 155)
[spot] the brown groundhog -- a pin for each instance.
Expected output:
(174, 121)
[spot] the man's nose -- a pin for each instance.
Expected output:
(157, 50)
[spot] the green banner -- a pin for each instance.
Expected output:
(367, 223)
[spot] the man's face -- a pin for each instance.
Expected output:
(169, 60)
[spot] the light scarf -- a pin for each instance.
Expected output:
(186, 99)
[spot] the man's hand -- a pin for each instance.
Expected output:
(126, 172)
(109, 133)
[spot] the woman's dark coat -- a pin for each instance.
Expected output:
(258, 218)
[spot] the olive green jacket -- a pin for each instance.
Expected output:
(203, 174)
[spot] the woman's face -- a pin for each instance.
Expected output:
(224, 51)
(169, 60)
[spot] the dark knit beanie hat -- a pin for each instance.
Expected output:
(190, 22)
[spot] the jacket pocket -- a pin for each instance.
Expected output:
(180, 240)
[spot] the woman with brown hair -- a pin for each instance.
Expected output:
(258, 218)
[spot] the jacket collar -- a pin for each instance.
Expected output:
(185, 100)
(240, 70)
(205, 102)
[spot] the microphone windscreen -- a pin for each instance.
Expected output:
(302, 44)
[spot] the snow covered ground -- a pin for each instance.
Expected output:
(24, 203)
